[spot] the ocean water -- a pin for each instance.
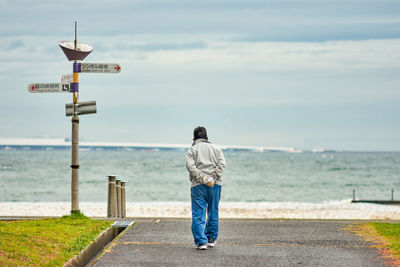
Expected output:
(161, 176)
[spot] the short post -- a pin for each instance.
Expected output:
(123, 200)
(118, 184)
(354, 194)
(392, 194)
(112, 197)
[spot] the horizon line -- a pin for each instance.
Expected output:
(7, 143)
(66, 142)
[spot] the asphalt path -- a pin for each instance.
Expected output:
(169, 242)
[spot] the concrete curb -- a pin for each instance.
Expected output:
(97, 246)
(92, 249)
(110, 244)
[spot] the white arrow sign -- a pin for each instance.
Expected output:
(87, 107)
(67, 78)
(48, 88)
(100, 67)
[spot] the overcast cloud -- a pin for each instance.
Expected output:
(305, 74)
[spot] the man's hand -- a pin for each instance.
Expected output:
(209, 181)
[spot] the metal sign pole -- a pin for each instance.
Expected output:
(70, 83)
(75, 136)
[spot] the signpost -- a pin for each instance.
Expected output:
(70, 83)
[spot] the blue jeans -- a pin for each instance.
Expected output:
(205, 201)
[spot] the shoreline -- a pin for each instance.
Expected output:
(344, 210)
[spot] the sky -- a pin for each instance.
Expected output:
(296, 73)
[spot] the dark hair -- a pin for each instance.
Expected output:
(200, 132)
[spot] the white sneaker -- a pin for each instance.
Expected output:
(202, 246)
(211, 242)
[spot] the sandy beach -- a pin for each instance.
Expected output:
(254, 210)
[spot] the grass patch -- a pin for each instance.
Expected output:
(391, 232)
(384, 236)
(47, 242)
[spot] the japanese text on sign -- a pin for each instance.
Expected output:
(49, 88)
(100, 67)
(95, 67)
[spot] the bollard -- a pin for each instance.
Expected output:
(392, 194)
(112, 197)
(354, 194)
(123, 200)
(118, 183)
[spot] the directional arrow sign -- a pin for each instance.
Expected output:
(48, 88)
(67, 78)
(88, 107)
(100, 67)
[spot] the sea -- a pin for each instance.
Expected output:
(158, 176)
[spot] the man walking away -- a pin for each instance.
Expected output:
(205, 163)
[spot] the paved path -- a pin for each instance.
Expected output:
(168, 242)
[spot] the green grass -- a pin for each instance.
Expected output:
(391, 232)
(46, 242)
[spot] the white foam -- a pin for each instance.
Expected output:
(327, 210)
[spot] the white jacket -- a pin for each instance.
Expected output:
(204, 159)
